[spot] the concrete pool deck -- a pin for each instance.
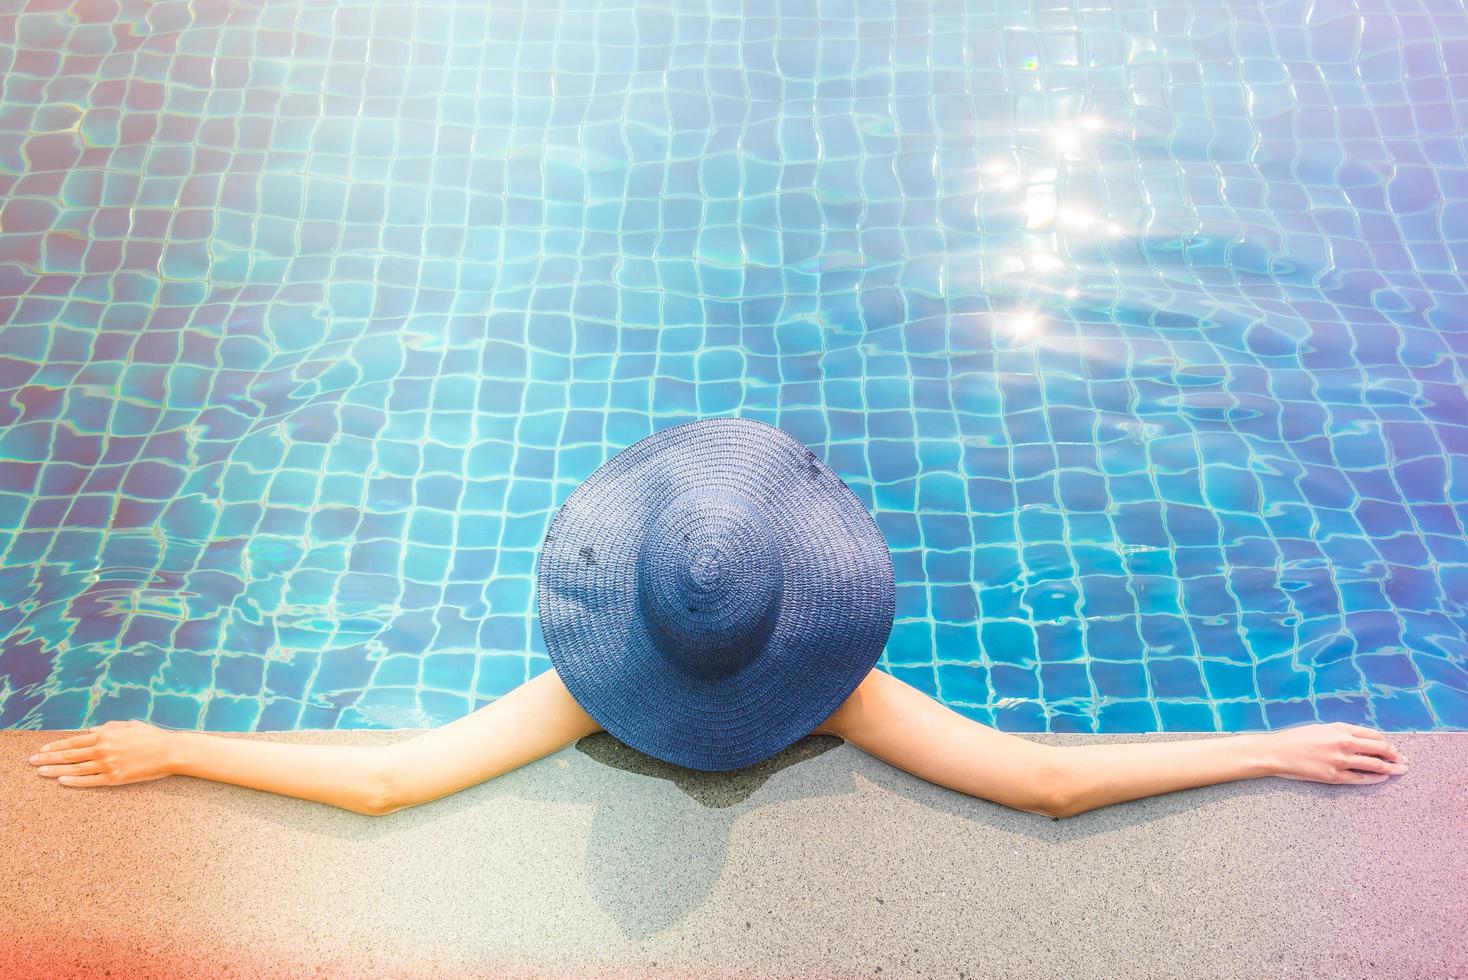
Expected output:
(823, 862)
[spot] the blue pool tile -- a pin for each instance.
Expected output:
(1119, 680)
(316, 716)
(1401, 710)
(1449, 705)
(921, 678)
(185, 671)
(138, 665)
(1352, 710)
(910, 642)
(1267, 635)
(448, 671)
(1072, 721)
(499, 674)
(66, 710)
(1114, 639)
(1027, 716)
(1185, 716)
(959, 642)
(1286, 714)
(1127, 716)
(1063, 681)
(238, 675)
(441, 707)
(1060, 642)
(1283, 675)
(119, 703)
(179, 711)
(1229, 681)
(1241, 716)
(1450, 673)
(1388, 670)
(230, 714)
(1175, 677)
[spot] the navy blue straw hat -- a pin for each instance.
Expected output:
(713, 592)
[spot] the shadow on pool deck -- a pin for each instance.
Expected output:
(821, 862)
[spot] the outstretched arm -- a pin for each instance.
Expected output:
(905, 727)
(120, 752)
(535, 719)
(901, 725)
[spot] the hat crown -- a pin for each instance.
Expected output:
(709, 577)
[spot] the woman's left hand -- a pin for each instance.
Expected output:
(110, 754)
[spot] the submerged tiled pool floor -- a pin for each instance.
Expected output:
(1141, 327)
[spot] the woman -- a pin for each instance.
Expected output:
(709, 596)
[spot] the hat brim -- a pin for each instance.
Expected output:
(835, 608)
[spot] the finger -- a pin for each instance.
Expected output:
(1361, 731)
(73, 741)
(1382, 748)
(79, 769)
(1363, 777)
(98, 780)
(67, 755)
(1371, 763)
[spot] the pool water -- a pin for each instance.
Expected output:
(1141, 327)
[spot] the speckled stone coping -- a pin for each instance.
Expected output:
(823, 862)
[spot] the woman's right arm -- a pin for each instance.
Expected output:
(349, 776)
(533, 720)
(120, 752)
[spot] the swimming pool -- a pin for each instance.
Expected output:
(1142, 328)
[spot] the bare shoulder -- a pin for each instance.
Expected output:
(878, 699)
(535, 719)
(905, 727)
(545, 698)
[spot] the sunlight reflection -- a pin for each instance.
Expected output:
(1066, 139)
(1074, 217)
(1038, 261)
(1021, 324)
(1039, 205)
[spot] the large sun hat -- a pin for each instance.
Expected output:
(713, 592)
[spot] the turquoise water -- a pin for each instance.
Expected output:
(1141, 328)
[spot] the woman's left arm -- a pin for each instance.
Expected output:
(903, 726)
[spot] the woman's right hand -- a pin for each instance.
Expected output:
(111, 754)
(1330, 753)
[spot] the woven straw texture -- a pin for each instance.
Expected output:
(713, 592)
